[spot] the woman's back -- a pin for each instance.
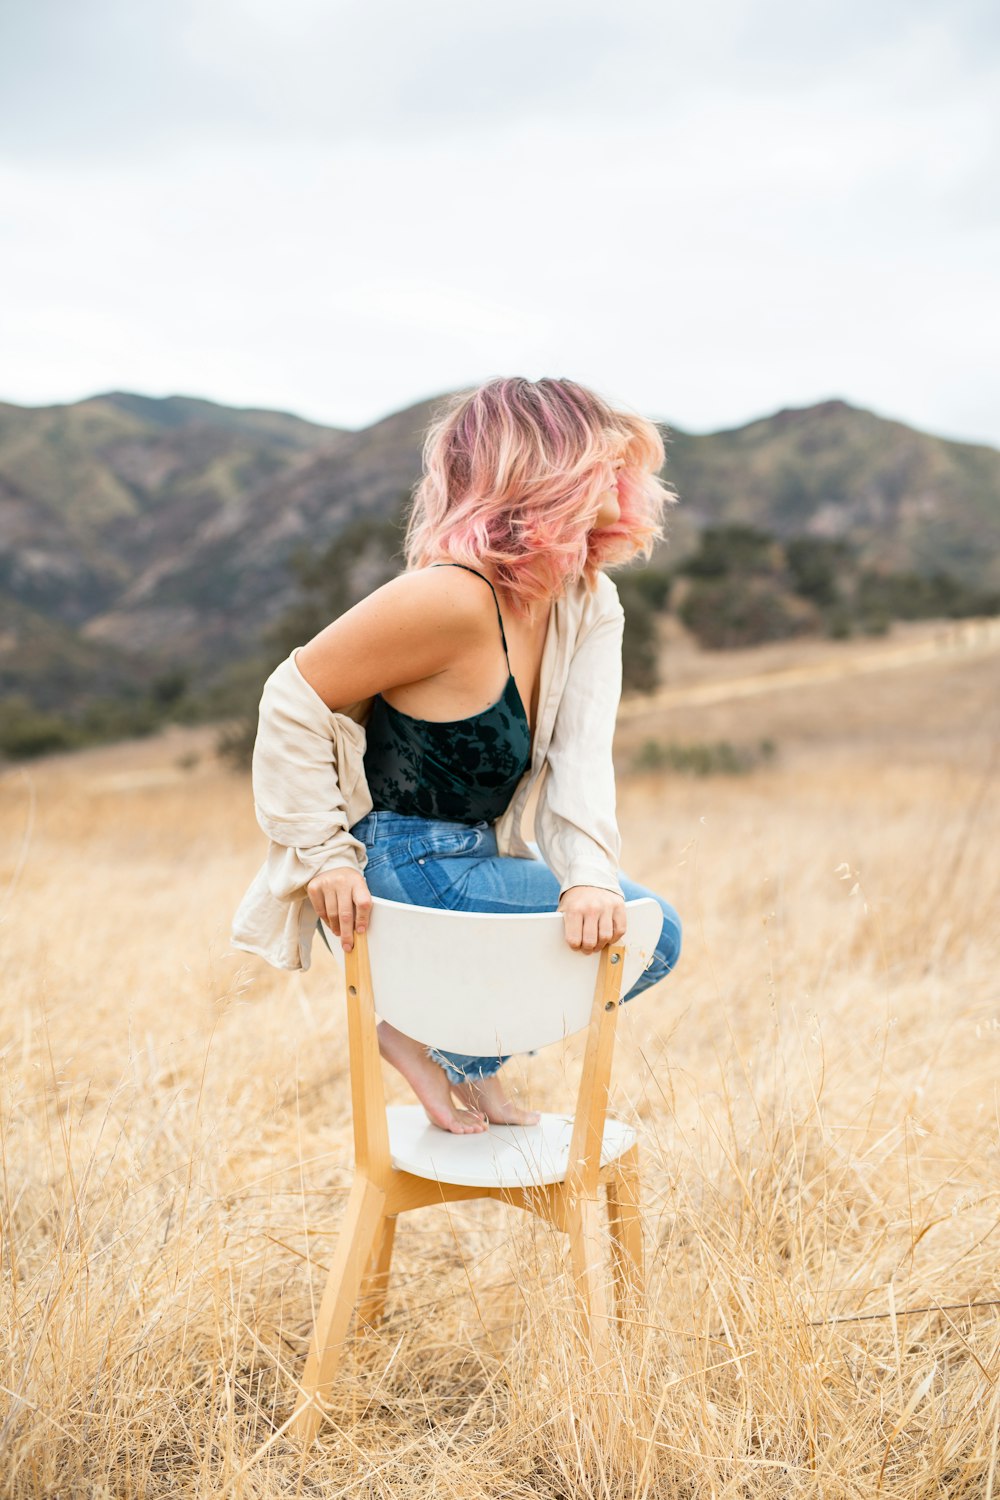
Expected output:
(464, 769)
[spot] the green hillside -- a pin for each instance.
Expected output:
(905, 500)
(142, 536)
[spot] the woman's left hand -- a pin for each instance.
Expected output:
(593, 916)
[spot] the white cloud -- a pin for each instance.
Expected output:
(361, 207)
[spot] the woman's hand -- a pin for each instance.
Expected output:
(594, 917)
(343, 901)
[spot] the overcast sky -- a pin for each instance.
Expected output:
(706, 211)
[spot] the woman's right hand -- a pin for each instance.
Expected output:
(343, 901)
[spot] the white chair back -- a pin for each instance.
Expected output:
(489, 984)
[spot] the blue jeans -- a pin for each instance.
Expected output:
(428, 862)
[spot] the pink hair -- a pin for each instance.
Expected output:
(513, 472)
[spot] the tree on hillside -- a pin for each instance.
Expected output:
(723, 550)
(644, 593)
(730, 613)
(816, 564)
(737, 592)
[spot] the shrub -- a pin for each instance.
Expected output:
(651, 584)
(720, 758)
(723, 550)
(640, 654)
(816, 565)
(26, 731)
(916, 596)
(743, 612)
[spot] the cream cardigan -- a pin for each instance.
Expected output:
(309, 782)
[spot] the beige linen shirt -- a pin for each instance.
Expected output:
(310, 789)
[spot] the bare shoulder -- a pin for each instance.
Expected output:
(445, 581)
(448, 595)
(413, 627)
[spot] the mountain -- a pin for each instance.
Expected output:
(907, 501)
(139, 534)
(98, 496)
(92, 493)
(231, 577)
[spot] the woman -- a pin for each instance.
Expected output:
(397, 749)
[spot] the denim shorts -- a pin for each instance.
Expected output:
(429, 862)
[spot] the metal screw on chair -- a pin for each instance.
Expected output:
(352, 989)
(615, 958)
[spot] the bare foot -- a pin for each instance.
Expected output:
(490, 1095)
(428, 1081)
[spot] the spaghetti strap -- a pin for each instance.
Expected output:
(493, 591)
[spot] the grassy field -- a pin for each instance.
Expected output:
(815, 1087)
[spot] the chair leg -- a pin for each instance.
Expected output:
(583, 1223)
(352, 1258)
(371, 1303)
(625, 1223)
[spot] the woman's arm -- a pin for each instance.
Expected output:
(304, 755)
(576, 826)
(410, 629)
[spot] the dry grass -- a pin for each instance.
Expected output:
(816, 1089)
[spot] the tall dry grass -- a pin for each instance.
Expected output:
(816, 1093)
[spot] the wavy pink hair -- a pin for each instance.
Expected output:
(513, 473)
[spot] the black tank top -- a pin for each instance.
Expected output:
(459, 770)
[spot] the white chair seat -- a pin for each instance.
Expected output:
(502, 1156)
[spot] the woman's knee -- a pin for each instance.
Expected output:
(668, 945)
(668, 949)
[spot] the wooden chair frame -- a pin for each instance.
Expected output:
(380, 1193)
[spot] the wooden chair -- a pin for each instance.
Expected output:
(483, 984)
